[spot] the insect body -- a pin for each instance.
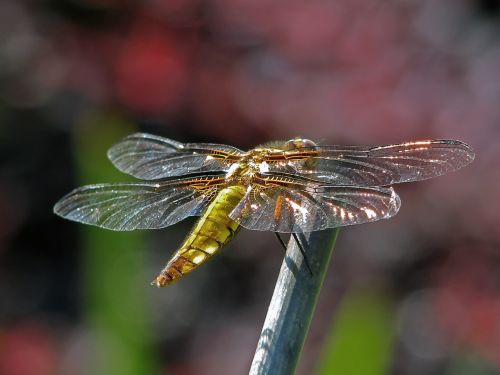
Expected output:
(212, 232)
(288, 187)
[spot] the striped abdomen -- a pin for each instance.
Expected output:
(212, 232)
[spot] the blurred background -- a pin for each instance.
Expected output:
(418, 294)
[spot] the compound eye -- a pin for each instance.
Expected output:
(298, 143)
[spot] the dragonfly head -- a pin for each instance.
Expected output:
(298, 143)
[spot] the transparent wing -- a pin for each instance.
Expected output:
(150, 157)
(374, 166)
(129, 206)
(289, 205)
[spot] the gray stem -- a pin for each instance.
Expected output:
(293, 303)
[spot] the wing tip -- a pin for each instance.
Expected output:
(59, 206)
(394, 205)
(87, 219)
(462, 146)
(57, 210)
(467, 154)
(460, 154)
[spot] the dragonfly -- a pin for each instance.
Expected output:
(295, 186)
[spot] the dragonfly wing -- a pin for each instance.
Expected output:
(129, 206)
(284, 205)
(150, 157)
(375, 166)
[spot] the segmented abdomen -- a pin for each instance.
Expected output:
(211, 233)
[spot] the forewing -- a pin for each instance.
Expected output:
(375, 166)
(283, 205)
(150, 157)
(129, 206)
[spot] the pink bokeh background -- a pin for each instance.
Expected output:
(243, 73)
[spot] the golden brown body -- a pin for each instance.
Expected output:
(210, 234)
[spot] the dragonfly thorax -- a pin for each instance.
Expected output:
(252, 163)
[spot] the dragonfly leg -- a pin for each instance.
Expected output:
(280, 240)
(299, 244)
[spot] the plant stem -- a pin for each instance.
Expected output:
(293, 303)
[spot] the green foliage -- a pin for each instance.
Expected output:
(115, 286)
(361, 339)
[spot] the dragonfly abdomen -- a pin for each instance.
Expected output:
(211, 233)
